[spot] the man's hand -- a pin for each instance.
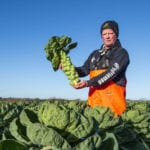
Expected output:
(60, 66)
(80, 85)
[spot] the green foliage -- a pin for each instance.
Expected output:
(42, 135)
(83, 129)
(109, 142)
(8, 112)
(27, 117)
(103, 116)
(74, 124)
(57, 51)
(138, 116)
(18, 131)
(48, 114)
(10, 144)
(71, 125)
(91, 143)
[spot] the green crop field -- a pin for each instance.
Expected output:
(57, 124)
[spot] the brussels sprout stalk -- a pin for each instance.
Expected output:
(57, 51)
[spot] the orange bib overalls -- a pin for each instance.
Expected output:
(110, 95)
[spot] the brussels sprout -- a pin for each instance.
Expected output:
(57, 51)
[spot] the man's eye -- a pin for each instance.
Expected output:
(107, 33)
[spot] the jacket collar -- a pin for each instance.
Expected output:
(116, 45)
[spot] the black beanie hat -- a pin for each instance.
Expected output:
(110, 24)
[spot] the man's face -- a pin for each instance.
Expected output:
(108, 37)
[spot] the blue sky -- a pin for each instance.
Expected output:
(26, 26)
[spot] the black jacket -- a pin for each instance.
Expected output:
(115, 60)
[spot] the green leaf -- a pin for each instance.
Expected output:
(124, 133)
(135, 145)
(27, 117)
(70, 46)
(18, 131)
(110, 142)
(44, 136)
(91, 143)
(10, 144)
(53, 116)
(73, 45)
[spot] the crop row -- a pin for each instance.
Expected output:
(71, 125)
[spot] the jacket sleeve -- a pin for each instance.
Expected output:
(118, 65)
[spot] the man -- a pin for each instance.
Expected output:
(106, 67)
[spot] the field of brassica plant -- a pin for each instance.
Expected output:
(70, 125)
